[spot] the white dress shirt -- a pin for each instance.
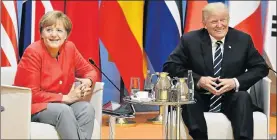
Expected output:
(222, 50)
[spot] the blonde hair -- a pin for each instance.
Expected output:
(51, 18)
(213, 7)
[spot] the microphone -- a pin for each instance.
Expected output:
(124, 108)
(268, 67)
(271, 69)
(93, 63)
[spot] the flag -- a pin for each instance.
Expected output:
(121, 28)
(85, 31)
(193, 19)
(9, 34)
(32, 11)
(270, 34)
(109, 68)
(19, 11)
(246, 16)
(163, 28)
(25, 26)
(40, 8)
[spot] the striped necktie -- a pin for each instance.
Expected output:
(215, 101)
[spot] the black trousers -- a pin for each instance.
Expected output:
(237, 106)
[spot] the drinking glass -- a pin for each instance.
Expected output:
(134, 85)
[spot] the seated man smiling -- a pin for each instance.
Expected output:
(219, 56)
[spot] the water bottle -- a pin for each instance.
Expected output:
(148, 86)
(190, 85)
(148, 83)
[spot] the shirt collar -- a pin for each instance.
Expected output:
(214, 40)
(60, 50)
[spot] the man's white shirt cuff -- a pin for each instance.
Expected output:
(237, 84)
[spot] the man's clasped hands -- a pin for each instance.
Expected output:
(216, 85)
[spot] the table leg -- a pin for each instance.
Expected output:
(112, 127)
(178, 110)
(171, 129)
(165, 122)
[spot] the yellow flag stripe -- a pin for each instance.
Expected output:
(133, 12)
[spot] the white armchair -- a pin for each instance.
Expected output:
(16, 118)
(46, 131)
(219, 127)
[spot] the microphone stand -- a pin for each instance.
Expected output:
(159, 118)
(123, 121)
(120, 120)
(273, 113)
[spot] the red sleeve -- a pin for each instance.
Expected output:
(83, 68)
(28, 75)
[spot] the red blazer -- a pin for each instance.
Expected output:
(51, 78)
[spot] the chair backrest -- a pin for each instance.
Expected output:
(8, 75)
(96, 102)
(260, 94)
(15, 119)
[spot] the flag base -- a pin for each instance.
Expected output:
(125, 122)
(158, 119)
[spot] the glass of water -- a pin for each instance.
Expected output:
(134, 85)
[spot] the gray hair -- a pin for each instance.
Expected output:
(213, 7)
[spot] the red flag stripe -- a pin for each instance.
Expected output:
(58, 5)
(85, 31)
(194, 15)
(7, 23)
(4, 60)
(120, 42)
(253, 28)
(39, 12)
(16, 11)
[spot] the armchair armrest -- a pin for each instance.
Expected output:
(15, 119)
(260, 94)
(96, 102)
(7, 75)
(265, 91)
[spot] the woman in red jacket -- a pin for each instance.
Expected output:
(49, 67)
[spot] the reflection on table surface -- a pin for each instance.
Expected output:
(153, 102)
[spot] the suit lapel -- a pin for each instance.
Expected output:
(227, 52)
(206, 47)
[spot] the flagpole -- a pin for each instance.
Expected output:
(123, 121)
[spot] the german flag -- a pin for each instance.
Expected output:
(121, 31)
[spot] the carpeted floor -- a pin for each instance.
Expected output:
(144, 130)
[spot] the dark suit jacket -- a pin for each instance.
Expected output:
(195, 52)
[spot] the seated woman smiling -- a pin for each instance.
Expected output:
(49, 67)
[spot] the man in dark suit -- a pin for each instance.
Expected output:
(225, 64)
